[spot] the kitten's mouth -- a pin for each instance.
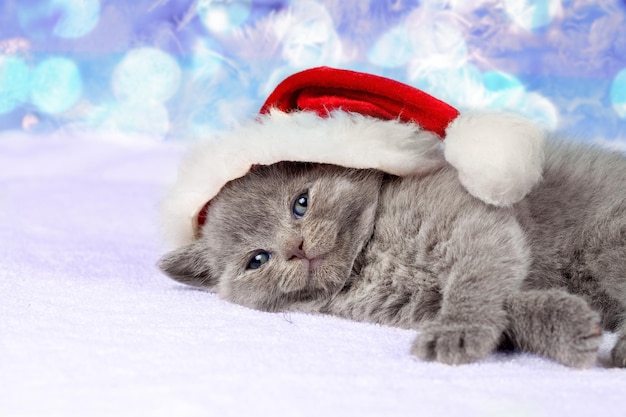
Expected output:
(312, 264)
(315, 263)
(308, 264)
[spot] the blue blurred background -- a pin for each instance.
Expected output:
(181, 69)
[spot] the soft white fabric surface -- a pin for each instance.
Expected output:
(89, 327)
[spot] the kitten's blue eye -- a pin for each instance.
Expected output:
(300, 205)
(258, 260)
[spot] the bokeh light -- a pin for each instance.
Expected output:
(63, 18)
(538, 108)
(498, 81)
(437, 44)
(618, 93)
(461, 87)
(424, 43)
(311, 39)
(532, 14)
(393, 49)
(219, 104)
(77, 17)
(142, 118)
(14, 83)
(223, 15)
(207, 58)
(146, 75)
(505, 91)
(56, 85)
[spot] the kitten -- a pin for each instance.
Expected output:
(421, 253)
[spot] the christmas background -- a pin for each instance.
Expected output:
(180, 69)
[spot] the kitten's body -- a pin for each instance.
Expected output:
(421, 253)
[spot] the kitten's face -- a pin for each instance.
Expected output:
(283, 234)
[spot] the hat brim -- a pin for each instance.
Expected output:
(342, 138)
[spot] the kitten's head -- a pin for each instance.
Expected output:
(282, 234)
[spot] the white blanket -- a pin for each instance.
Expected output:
(89, 327)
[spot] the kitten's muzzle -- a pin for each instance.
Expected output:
(297, 252)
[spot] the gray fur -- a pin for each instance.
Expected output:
(421, 253)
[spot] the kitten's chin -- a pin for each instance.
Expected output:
(323, 282)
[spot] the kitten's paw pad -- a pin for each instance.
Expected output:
(618, 354)
(455, 344)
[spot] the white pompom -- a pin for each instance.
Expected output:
(499, 157)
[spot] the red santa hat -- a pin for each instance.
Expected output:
(359, 120)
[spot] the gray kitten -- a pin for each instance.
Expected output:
(421, 253)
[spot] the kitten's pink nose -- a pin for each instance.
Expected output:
(297, 251)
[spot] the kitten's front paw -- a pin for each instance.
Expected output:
(578, 340)
(455, 344)
(556, 324)
(618, 354)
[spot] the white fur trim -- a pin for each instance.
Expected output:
(345, 139)
(499, 157)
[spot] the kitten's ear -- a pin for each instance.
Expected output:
(189, 266)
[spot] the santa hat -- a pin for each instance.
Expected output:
(359, 120)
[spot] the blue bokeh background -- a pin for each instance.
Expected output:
(181, 69)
